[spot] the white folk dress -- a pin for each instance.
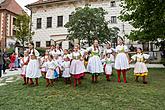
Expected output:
(140, 67)
(108, 64)
(121, 60)
(44, 61)
(77, 67)
(94, 64)
(51, 65)
(33, 67)
(24, 62)
(58, 56)
(109, 51)
(66, 69)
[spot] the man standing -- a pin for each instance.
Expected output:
(1, 62)
(5, 57)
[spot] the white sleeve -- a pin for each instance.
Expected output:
(112, 58)
(37, 54)
(134, 57)
(104, 53)
(126, 49)
(89, 49)
(21, 62)
(113, 50)
(146, 56)
(70, 55)
(116, 49)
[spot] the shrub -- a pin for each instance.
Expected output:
(41, 51)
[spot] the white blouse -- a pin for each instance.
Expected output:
(52, 64)
(121, 48)
(140, 57)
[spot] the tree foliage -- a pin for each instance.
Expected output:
(23, 33)
(88, 24)
(147, 17)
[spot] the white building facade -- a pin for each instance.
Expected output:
(50, 16)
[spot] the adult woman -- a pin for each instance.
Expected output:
(121, 60)
(33, 67)
(94, 66)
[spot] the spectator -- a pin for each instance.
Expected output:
(5, 57)
(1, 63)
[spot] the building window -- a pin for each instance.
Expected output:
(59, 21)
(38, 44)
(113, 19)
(49, 22)
(113, 3)
(70, 16)
(14, 21)
(48, 43)
(39, 23)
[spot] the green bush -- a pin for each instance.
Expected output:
(10, 51)
(41, 51)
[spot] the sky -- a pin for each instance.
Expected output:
(23, 3)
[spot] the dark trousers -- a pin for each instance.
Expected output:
(0, 70)
(4, 67)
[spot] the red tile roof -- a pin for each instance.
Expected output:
(39, 2)
(12, 6)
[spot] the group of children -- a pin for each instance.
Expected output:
(62, 63)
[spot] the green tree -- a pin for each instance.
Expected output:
(88, 24)
(147, 17)
(22, 24)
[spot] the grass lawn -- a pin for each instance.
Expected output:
(101, 96)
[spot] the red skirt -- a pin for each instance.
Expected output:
(77, 76)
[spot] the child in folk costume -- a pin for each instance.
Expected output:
(24, 62)
(58, 54)
(108, 62)
(52, 50)
(51, 65)
(44, 61)
(140, 69)
(33, 67)
(121, 60)
(77, 67)
(66, 67)
(58, 69)
(109, 50)
(12, 61)
(95, 66)
(82, 52)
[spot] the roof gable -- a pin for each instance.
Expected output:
(12, 6)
